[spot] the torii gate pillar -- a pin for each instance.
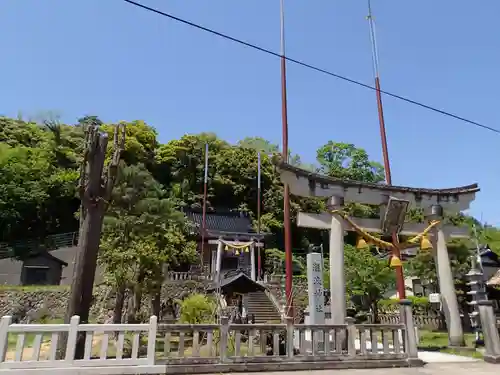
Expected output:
(337, 274)
(446, 281)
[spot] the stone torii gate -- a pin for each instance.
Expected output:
(433, 201)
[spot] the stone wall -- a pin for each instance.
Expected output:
(300, 298)
(49, 303)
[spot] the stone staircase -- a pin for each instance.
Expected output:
(263, 309)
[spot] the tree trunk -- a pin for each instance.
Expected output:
(88, 244)
(135, 299)
(135, 305)
(156, 304)
(95, 193)
(156, 300)
(119, 302)
(375, 315)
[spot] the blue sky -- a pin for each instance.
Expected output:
(111, 59)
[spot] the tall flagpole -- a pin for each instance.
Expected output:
(204, 214)
(383, 135)
(400, 283)
(286, 190)
(259, 261)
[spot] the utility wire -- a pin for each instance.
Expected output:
(312, 67)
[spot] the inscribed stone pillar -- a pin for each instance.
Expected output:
(252, 262)
(337, 277)
(315, 288)
(447, 289)
(316, 297)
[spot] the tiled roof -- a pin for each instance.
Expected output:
(48, 255)
(489, 256)
(238, 282)
(227, 222)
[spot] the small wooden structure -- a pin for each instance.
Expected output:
(230, 242)
(42, 268)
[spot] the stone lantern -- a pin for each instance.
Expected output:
(475, 281)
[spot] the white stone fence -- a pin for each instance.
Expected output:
(154, 348)
(183, 276)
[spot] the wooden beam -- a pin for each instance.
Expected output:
(322, 221)
(307, 184)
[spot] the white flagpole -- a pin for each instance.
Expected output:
(259, 259)
(204, 214)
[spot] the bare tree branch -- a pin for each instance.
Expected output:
(118, 147)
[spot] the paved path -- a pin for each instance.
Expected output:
(437, 357)
(429, 357)
(478, 368)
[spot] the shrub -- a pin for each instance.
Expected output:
(419, 304)
(197, 309)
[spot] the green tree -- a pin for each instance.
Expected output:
(275, 262)
(259, 144)
(265, 147)
(144, 232)
(423, 264)
(36, 196)
(346, 161)
(367, 276)
(38, 178)
(197, 309)
(20, 133)
(140, 142)
(180, 165)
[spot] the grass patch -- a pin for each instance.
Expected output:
(464, 353)
(438, 341)
(12, 340)
(30, 337)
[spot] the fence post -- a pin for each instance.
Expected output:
(490, 331)
(224, 332)
(289, 336)
(153, 326)
(4, 335)
(72, 335)
(351, 337)
(410, 338)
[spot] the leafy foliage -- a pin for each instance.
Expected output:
(423, 264)
(346, 161)
(36, 194)
(275, 262)
(43, 157)
(419, 304)
(197, 309)
(143, 229)
(367, 277)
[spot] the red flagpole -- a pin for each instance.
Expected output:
(383, 135)
(286, 190)
(385, 152)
